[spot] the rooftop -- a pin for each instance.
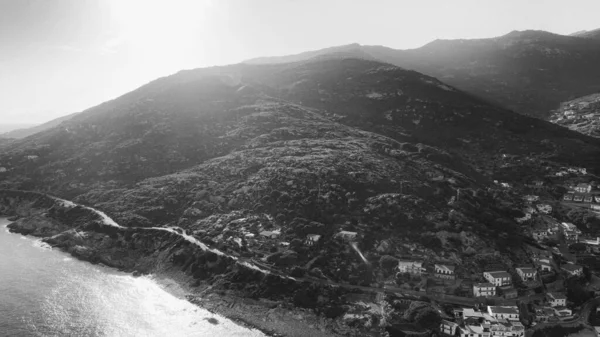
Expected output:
(407, 263)
(557, 296)
(498, 274)
(445, 266)
(527, 270)
(504, 310)
(484, 285)
(571, 267)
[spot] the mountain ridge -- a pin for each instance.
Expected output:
(530, 72)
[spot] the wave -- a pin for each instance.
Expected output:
(41, 244)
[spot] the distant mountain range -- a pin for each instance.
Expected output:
(10, 127)
(530, 72)
(589, 34)
(28, 130)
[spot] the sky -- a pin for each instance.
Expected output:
(63, 56)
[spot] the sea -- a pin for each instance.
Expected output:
(45, 292)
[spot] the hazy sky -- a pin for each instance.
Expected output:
(63, 56)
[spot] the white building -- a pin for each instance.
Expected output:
(556, 299)
(444, 271)
(484, 290)
(312, 239)
(527, 273)
(510, 313)
(411, 267)
(572, 269)
(346, 235)
(497, 278)
(583, 188)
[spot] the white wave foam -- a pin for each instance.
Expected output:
(41, 244)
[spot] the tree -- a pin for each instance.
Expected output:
(578, 247)
(388, 262)
(423, 314)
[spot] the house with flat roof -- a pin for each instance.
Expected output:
(572, 269)
(544, 266)
(527, 273)
(556, 299)
(444, 271)
(583, 188)
(411, 267)
(484, 290)
(510, 313)
(448, 327)
(312, 239)
(497, 278)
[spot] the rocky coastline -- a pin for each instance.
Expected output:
(213, 281)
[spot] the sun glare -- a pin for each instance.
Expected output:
(160, 27)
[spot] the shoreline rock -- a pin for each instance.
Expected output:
(203, 273)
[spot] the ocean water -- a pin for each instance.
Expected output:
(45, 292)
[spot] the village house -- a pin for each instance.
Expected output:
(411, 267)
(583, 188)
(497, 278)
(592, 245)
(567, 226)
(539, 234)
(3, 170)
(475, 329)
(544, 208)
(505, 327)
(572, 269)
(563, 312)
(571, 236)
(597, 198)
(544, 266)
(588, 198)
(542, 256)
(556, 299)
(482, 324)
(578, 198)
(484, 290)
(568, 197)
(312, 239)
(595, 207)
(346, 236)
(444, 271)
(527, 273)
(462, 313)
(510, 313)
(448, 327)
(544, 314)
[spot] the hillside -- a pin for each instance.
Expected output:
(581, 115)
(180, 121)
(530, 72)
(30, 130)
(588, 34)
(4, 128)
(248, 173)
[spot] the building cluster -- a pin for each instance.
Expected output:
(584, 193)
(503, 320)
(495, 321)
